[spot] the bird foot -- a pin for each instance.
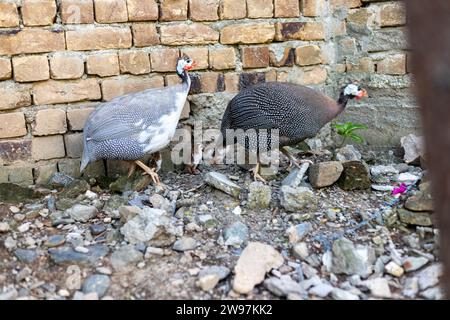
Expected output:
(256, 175)
(151, 172)
(192, 169)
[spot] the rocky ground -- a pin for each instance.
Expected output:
(334, 232)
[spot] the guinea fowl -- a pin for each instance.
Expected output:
(298, 112)
(131, 126)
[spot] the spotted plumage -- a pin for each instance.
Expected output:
(298, 112)
(130, 126)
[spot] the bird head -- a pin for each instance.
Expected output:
(354, 91)
(185, 63)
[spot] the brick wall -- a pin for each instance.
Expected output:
(59, 59)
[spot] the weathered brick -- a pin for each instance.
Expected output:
(186, 111)
(77, 11)
(308, 55)
(78, 117)
(171, 79)
(51, 92)
(174, 10)
(233, 9)
(247, 33)
(393, 64)
(222, 58)
(145, 35)
(282, 76)
(392, 14)
(98, 38)
(5, 68)
(9, 16)
(31, 68)
(199, 55)
(362, 17)
(109, 11)
(282, 57)
(70, 167)
(31, 41)
(115, 87)
(347, 47)
(142, 10)
(74, 144)
(209, 81)
(334, 4)
(299, 31)
(13, 150)
(181, 34)
(44, 172)
(164, 60)
(255, 57)
(362, 65)
(49, 147)
(14, 95)
(38, 12)
(50, 121)
(271, 75)
(103, 64)
(259, 8)
(12, 125)
(22, 175)
(248, 79)
(134, 62)
(66, 65)
(203, 10)
(312, 8)
(286, 8)
(231, 82)
(313, 75)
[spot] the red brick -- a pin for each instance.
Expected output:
(286, 8)
(9, 15)
(109, 11)
(38, 12)
(255, 57)
(164, 60)
(114, 87)
(32, 40)
(98, 38)
(204, 10)
(103, 64)
(78, 117)
(145, 34)
(77, 11)
(12, 125)
(142, 10)
(174, 10)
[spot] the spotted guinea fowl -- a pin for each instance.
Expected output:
(298, 112)
(131, 126)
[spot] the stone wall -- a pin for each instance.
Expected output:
(59, 59)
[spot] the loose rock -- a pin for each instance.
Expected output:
(82, 213)
(221, 182)
(298, 232)
(255, 261)
(298, 199)
(415, 218)
(185, 244)
(259, 195)
(283, 286)
(125, 257)
(347, 153)
(235, 234)
(324, 174)
(355, 176)
(348, 259)
(97, 283)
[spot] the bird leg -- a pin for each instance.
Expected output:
(192, 169)
(256, 174)
(293, 160)
(150, 171)
(131, 168)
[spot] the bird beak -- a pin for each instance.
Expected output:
(361, 94)
(192, 66)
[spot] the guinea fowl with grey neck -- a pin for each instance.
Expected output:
(131, 126)
(296, 111)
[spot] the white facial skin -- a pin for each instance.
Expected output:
(353, 90)
(184, 64)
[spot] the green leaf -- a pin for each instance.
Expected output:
(356, 137)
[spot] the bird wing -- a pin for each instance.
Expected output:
(128, 115)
